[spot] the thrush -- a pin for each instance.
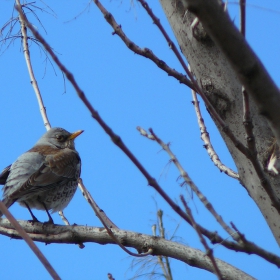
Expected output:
(46, 176)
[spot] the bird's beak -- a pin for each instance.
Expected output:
(75, 134)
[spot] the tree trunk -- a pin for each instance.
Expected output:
(220, 84)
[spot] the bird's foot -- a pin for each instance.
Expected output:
(34, 220)
(49, 222)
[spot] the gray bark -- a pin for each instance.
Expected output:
(142, 242)
(222, 86)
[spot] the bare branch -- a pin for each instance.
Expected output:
(99, 212)
(242, 6)
(248, 124)
(66, 222)
(107, 223)
(209, 252)
(165, 268)
(29, 66)
(243, 246)
(207, 143)
(247, 118)
(143, 52)
(22, 234)
(76, 234)
(199, 194)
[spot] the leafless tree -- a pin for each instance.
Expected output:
(242, 100)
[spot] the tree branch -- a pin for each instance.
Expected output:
(249, 69)
(207, 143)
(30, 68)
(21, 233)
(209, 251)
(77, 234)
(145, 52)
(245, 245)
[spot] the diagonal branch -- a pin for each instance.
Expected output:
(30, 68)
(143, 52)
(207, 143)
(189, 181)
(21, 233)
(245, 245)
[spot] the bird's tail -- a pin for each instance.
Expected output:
(8, 203)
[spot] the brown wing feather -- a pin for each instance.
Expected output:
(57, 169)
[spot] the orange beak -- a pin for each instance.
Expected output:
(75, 134)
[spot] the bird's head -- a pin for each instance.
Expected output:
(59, 138)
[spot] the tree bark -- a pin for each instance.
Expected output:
(161, 247)
(220, 83)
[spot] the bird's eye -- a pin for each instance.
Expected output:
(59, 137)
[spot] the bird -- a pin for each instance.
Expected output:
(46, 176)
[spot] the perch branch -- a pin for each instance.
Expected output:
(76, 234)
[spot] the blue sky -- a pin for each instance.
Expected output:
(127, 90)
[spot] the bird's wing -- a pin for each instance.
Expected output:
(65, 165)
(27, 164)
(4, 175)
(55, 169)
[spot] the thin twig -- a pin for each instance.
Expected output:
(242, 6)
(110, 276)
(161, 232)
(29, 241)
(107, 223)
(66, 222)
(99, 212)
(248, 124)
(207, 143)
(193, 186)
(166, 269)
(141, 51)
(29, 66)
(247, 119)
(209, 251)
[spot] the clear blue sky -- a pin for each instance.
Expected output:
(127, 90)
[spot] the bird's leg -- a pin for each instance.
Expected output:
(50, 221)
(32, 215)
